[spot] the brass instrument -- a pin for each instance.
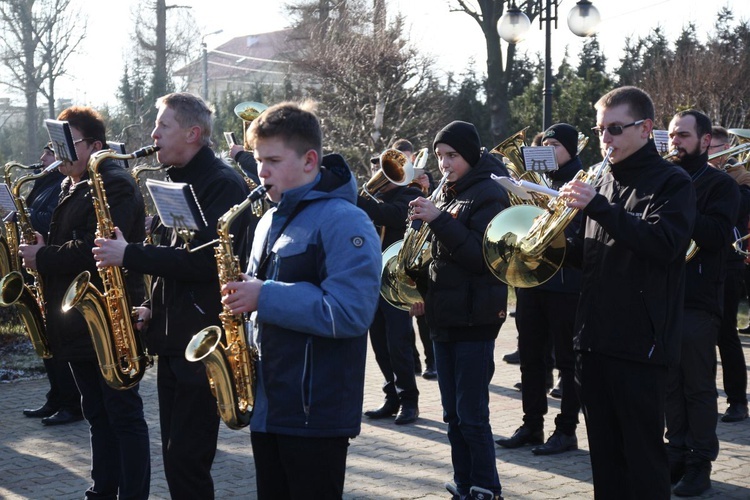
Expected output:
(11, 238)
(395, 168)
(510, 148)
(247, 112)
(404, 257)
(524, 246)
(122, 356)
(230, 365)
(28, 298)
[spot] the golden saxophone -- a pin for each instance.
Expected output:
(9, 260)
(28, 298)
(230, 365)
(122, 356)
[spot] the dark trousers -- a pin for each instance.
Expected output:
(120, 453)
(623, 403)
(423, 332)
(691, 389)
(734, 369)
(294, 467)
(464, 372)
(63, 392)
(543, 317)
(189, 424)
(392, 342)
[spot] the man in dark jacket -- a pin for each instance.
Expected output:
(691, 405)
(185, 291)
(63, 403)
(312, 288)
(639, 218)
(464, 303)
(545, 315)
(391, 332)
(120, 456)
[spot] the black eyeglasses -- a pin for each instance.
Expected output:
(615, 129)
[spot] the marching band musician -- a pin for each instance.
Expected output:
(733, 365)
(313, 286)
(391, 333)
(545, 315)
(464, 303)
(636, 231)
(120, 457)
(63, 404)
(185, 291)
(691, 404)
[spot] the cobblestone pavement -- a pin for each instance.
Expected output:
(385, 462)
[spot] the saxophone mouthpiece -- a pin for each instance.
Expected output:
(146, 151)
(257, 193)
(53, 166)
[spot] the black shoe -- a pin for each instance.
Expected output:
(513, 358)
(429, 373)
(522, 436)
(696, 480)
(478, 493)
(385, 411)
(406, 415)
(556, 391)
(44, 411)
(453, 490)
(558, 442)
(745, 330)
(734, 413)
(63, 416)
(518, 386)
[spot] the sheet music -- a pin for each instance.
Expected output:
(6, 200)
(661, 138)
(62, 140)
(523, 189)
(176, 205)
(539, 158)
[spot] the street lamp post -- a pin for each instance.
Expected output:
(204, 60)
(514, 24)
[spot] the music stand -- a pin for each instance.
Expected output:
(177, 207)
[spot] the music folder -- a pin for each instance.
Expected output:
(177, 207)
(7, 205)
(61, 140)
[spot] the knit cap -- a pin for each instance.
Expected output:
(566, 135)
(463, 137)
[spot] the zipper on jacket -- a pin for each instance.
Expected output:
(195, 303)
(306, 381)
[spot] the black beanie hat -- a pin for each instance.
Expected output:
(566, 135)
(464, 138)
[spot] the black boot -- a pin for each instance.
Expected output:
(387, 410)
(523, 435)
(696, 480)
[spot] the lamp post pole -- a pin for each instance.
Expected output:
(514, 24)
(204, 63)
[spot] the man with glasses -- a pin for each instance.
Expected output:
(639, 217)
(120, 454)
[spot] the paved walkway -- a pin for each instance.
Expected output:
(385, 462)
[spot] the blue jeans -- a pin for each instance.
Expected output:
(464, 373)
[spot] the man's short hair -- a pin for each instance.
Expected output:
(403, 145)
(295, 123)
(190, 111)
(88, 121)
(702, 122)
(638, 101)
(720, 133)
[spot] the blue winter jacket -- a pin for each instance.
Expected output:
(322, 285)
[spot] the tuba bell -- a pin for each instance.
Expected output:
(395, 168)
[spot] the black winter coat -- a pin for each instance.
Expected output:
(464, 301)
(391, 214)
(68, 253)
(637, 231)
(185, 295)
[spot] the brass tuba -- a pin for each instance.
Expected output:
(28, 298)
(230, 365)
(524, 246)
(510, 148)
(122, 357)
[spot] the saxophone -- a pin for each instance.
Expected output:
(10, 261)
(230, 366)
(122, 356)
(28, 298)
